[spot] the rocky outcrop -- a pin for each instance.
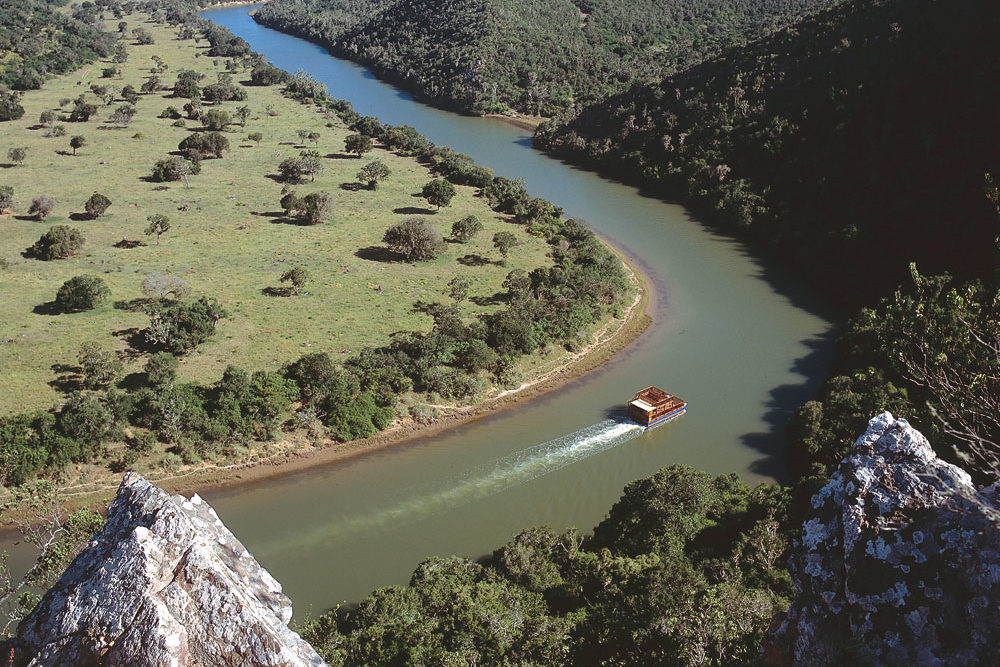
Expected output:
(163, 583)
(898, 562)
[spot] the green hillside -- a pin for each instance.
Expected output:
(540, 57)
(850, 145)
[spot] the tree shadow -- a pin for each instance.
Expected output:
(27, 218)
(133, 381)
(135, 338)
(498, 298)
(68, 378)
(412, 210)
(65, 153)
(340, 156)
(288, 220)
(271, 214)
(277, 291)
(133, 305)
(473, 260)
(353, 187)
(129, 244)
(80, 217)
(47, 308)
(377, 253)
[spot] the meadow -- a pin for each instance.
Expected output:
(228, 239)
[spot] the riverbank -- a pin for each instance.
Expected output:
(292, 455)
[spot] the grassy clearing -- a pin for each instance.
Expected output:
(225, 240)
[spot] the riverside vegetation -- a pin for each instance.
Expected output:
(227, 256)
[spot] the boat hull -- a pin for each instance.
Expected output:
(670, 416)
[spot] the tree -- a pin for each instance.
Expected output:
(81, 293)
(458, 289)
(82, 110)
(123, 115)
(160, 285)
(414, 239)
(6, 198)
(130, 95)
(290, 201)
(60, 242)
(372, 173)
(10, 104)
(297, 276)
(97, 205)
(504, 241)
(17, 155)
(47, 118)
(466, 228)
(142, 36)
(159, 225)
(302, 134)
(205, 144)
(99, 366)
(316, 207)
(313, 136)
(242, 114)
(42, 206)
(172, 169)
(77, 142)
(179, 326)
(150, 85)
(161, 369)
(255, 137)
(438, 192)
(290, 170)
(358, 143)
(216, 119)
(310, 163)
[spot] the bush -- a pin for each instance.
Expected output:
(42, 206)
(438, 192)
(179, 327)
(172, 169)
(162, 284)
(59, 242)
(99, 366)
(81, 293)
(97, 205)
(414, 239)
(6, 198)
(207, 144)
(466, 229)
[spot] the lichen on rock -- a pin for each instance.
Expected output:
(163, 583)
(898, 562)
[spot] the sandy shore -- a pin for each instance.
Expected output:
(607, 341)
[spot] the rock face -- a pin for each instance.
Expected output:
(899, 561)
(163, 583)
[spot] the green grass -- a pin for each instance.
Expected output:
(208, 246)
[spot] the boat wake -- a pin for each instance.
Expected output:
(492, 478)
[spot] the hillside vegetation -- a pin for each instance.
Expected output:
(192, 264)
(541, 57)
(849, 145)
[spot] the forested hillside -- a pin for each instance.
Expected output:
(36, 40)
(850, 145)
(540, 57)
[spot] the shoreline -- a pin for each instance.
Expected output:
(608, 341)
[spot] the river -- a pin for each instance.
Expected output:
(743, 343)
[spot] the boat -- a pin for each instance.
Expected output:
(653, 406)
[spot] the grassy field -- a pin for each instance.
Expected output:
(226, 241)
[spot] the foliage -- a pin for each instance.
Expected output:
(438, 192)
(372, 173)
(99, 367)
(171, 169)
(358, 144)
(207, 144)
(297, 276)
(465, 229)
(59, 242)
(163, 284)
(504, 242)
(179, 327)
(6, 198)
(82, 293)
(97, 205)
(159, 225)
(42, 206)
(414, 239)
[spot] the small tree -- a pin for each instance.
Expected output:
(438, 192)
(158, 225)
(310, 163)
(414, 239)
(179, 326)
(255, 137)
(372, 173)
(216, 119)
(172, 169)
(358, 143)
(458, 289)
(123, 115)
(97, 205)
(17, 155)
(465, 229)
(242, 114)
(42, 206)
(303, 135)
(504, 241)
(99, 366)
(47, 118)
(6, 198)
(60, 242)
(161, 369)
(77, 142)
(290, 170)
(297, 276)
(313, 137)
(81, 293)
(160, 285)
(290, 201)
(316, 207)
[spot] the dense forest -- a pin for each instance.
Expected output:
(37, 40)
(849, 145)
(541, 58)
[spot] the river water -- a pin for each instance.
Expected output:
(739, 340)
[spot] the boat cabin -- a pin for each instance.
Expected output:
(653, 406)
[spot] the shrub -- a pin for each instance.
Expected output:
(438, 192)
(373, 172)
(171, 169)
(162, 284)
(179, 327)
(97, 205)
(6, 197)
(466, 229)
(208, 144)
(171, 113)
(81, 293)
(99, 366)
(414, 239)
(41, 207)
(60, 242)
(161, 369)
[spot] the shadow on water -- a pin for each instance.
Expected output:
(782, 403)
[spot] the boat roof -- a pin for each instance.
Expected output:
(652, 396)
(642, 405)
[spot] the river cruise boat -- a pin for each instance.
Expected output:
(653, 407)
